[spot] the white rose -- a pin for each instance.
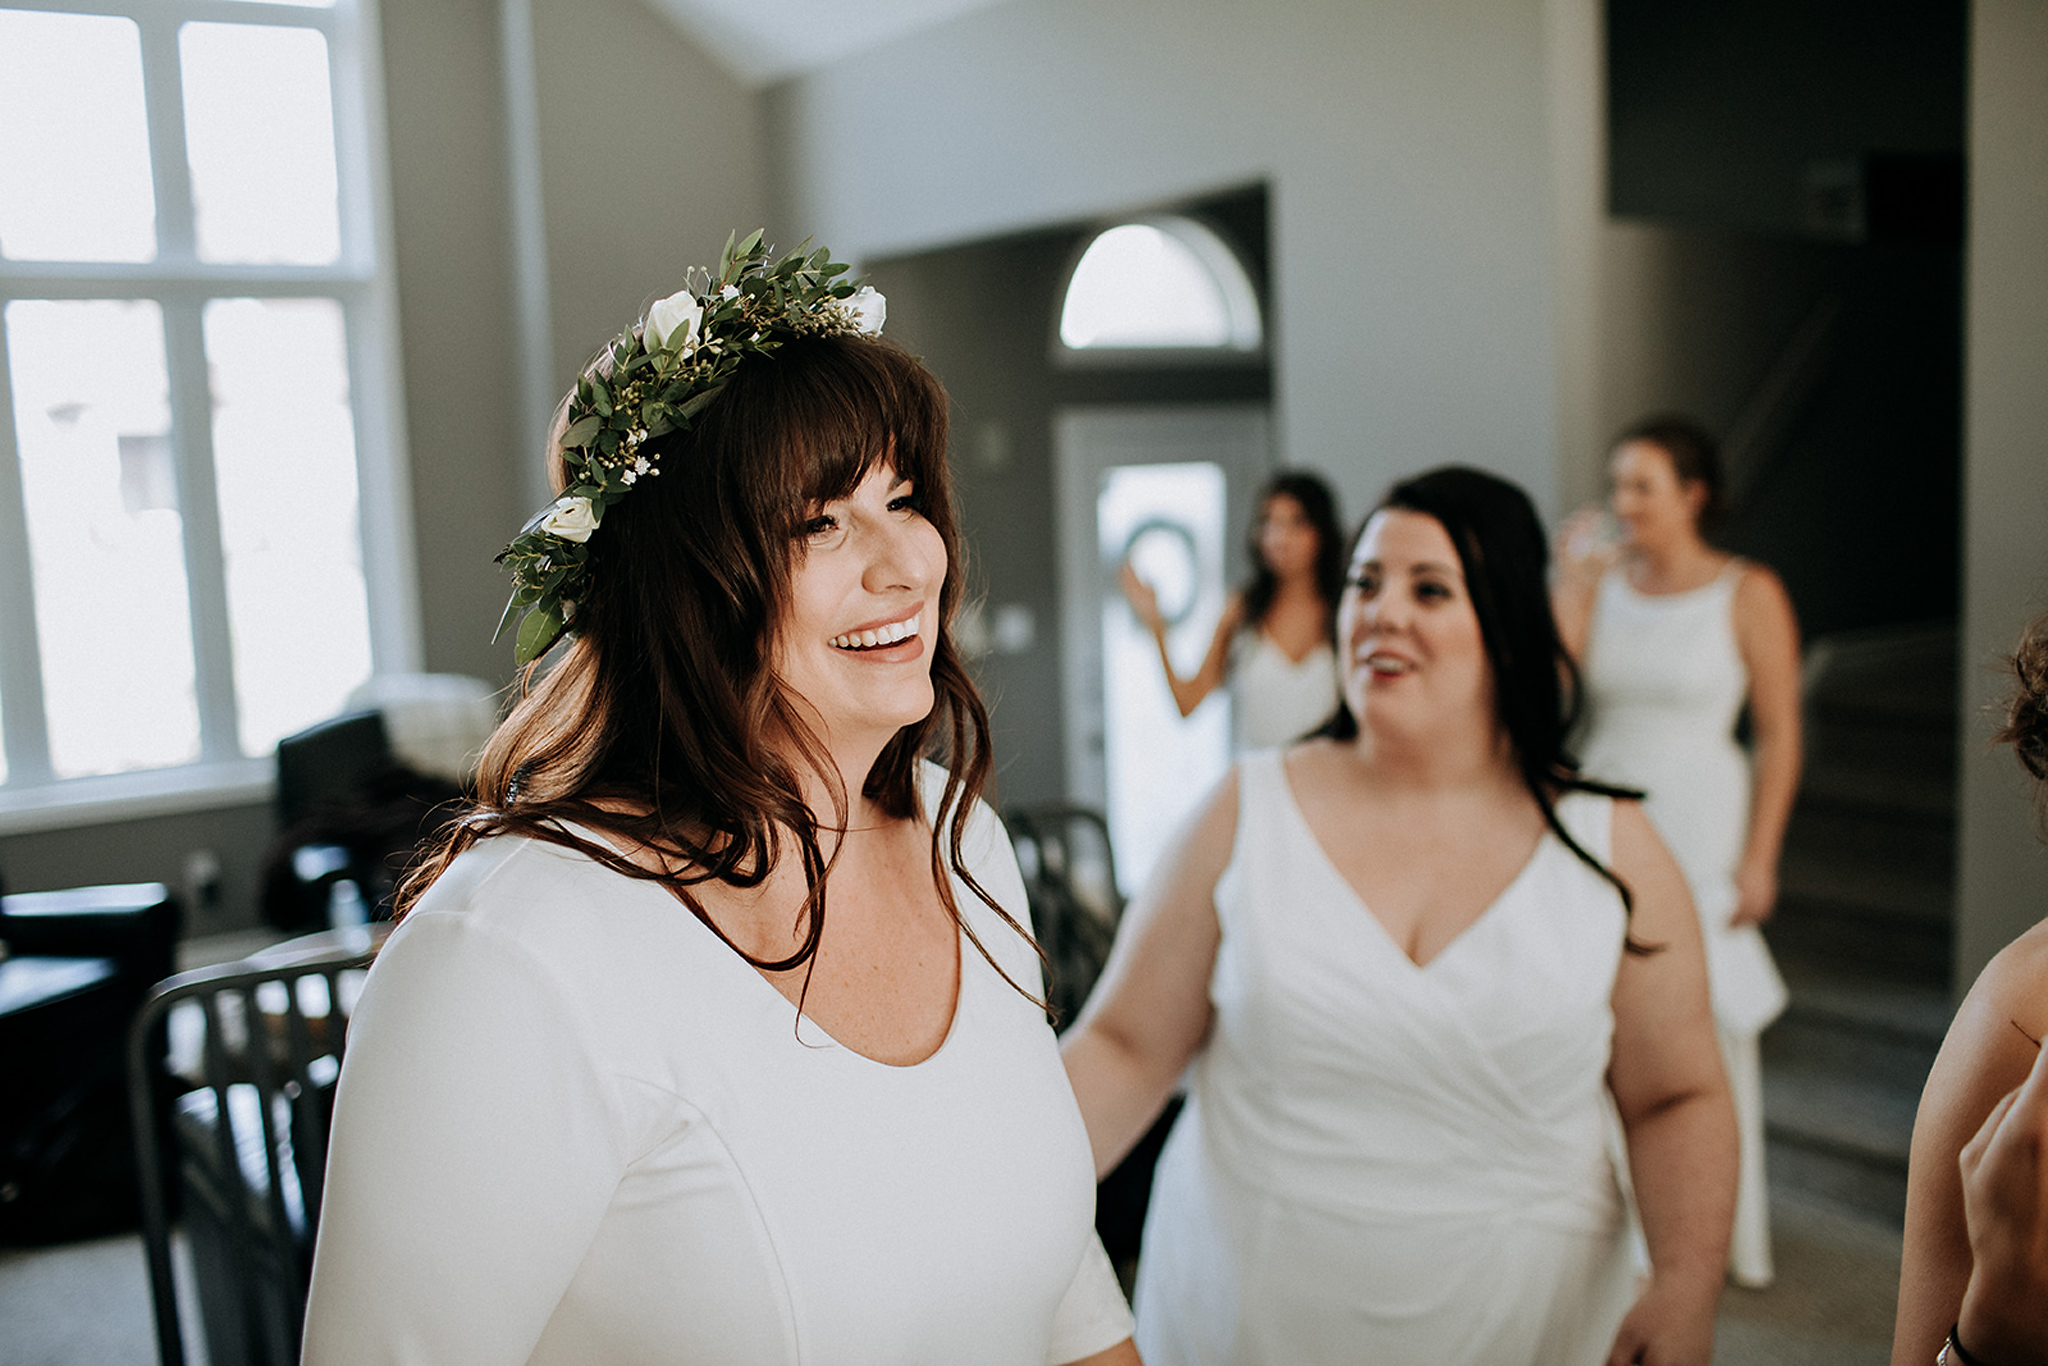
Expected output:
(868, 308)
(573, 519)
(672, 323)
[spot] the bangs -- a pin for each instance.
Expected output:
(850, 405)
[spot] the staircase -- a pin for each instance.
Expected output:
(1863, 932)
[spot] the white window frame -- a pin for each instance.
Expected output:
(1239, 294)
(360, 280)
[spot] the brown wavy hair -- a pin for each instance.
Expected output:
(2026, 712)
(662, 724)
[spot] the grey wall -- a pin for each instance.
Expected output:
(1403, 141)
(2002, 870)
(650, 154)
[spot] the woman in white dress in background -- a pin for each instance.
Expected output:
(1403, 963)
(1272, 644)
(709, 1040)
(1674, 637)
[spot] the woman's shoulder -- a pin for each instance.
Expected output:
(520, 887)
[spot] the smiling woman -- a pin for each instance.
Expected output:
(1397, 956)
(653, 1101)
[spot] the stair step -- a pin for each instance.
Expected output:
(1824, 1107)
(1904, 1010)
(1834, 784)
(1898, 887)
(1840, 1184)
(1847, 937)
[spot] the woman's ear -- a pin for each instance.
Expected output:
(1694, 491)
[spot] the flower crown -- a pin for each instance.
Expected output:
(662, 373)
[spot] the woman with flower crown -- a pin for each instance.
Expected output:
(709, 1035)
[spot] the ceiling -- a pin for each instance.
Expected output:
(761, 41)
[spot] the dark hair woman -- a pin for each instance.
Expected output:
(1975, 1266)
(705, 1037)
(1396, 955)
(1675, 638)
(1272, 643)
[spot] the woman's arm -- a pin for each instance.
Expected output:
(1581, 560)
(475, 1150)
(2004, 1316)
(1148, 1013)
(1767, 634)
(1984, 1057)
(1675, 1109)
(1188, 693)
(1125, 1353)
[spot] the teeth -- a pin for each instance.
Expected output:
(881, 635)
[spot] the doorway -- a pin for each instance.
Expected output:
(1168, 488)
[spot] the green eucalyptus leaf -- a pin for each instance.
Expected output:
(699, 402)
(600, 398)
(512, 606)
(580, 431)
(542, 628)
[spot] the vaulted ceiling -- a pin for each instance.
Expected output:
(762, 41)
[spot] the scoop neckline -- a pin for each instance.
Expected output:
(1722, 575)
(728, 952)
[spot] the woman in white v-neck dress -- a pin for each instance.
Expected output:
(1272, 645)
(1402, 960)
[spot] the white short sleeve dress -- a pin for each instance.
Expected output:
(1381, 1162)
(574, 1127)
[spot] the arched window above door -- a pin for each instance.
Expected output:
(1164, 284)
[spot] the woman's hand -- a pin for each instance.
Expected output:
(2004, 1317)
(1584, 550)
(1671, 1325)
(1756, 893)
(1143, 600)
(1583, 555)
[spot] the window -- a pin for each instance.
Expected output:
(1159, 284)
(200, 545)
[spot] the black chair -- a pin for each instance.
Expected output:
(349, 816)
(78, 964)
(1069, 869)
(1070, 880)
(255, 1048)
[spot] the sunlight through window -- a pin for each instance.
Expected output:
(1165, 283)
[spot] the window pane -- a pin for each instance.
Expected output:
(259, 133)
(284, 456)
(92, 412)
(1140, 285)
(74, 141)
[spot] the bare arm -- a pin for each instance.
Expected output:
(1581, 560)
(1675, 1109)
(2004, 1317)
(1149, 1012)
(1188, 693)
(1767, 633)
(1125, 1353)
(1984, 1056)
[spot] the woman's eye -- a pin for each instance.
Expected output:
(1367, 584)
(1433, 592)
(820, 525)
(906, 502)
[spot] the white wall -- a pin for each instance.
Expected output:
(2002, 870)
(1405, 143)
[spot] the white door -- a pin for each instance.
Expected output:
(1171, 489)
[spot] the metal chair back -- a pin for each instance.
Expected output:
(231, 1076)
(1069, 872)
